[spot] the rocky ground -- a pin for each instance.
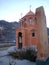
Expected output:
(5, 59)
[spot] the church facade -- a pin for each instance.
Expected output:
(32, 31)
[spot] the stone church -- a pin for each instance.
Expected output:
(32, 32)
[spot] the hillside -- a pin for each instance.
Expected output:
(7, 31)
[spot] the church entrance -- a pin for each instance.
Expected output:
(20, 40)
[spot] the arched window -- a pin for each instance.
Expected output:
(30, 20)
(33, 34)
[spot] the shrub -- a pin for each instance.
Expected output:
(28, 54)
(31, 55)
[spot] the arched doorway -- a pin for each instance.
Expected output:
(20, 40)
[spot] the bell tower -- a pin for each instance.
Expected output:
(42, 32)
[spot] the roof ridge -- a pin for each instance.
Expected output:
(30, 13)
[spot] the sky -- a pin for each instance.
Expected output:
(13, 10)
